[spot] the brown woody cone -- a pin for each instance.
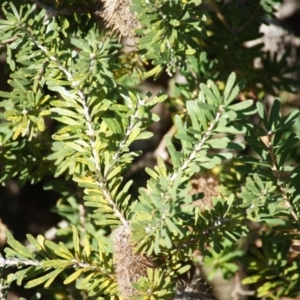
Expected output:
(117, 16)
(129, 266)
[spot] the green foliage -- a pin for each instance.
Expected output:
(209, 116)
(272, 270)
(176, 25)
(267, 188)
(72, 118)
(47, 260)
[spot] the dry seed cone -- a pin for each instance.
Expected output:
(118, 17)
(129, 266)
(197, 290)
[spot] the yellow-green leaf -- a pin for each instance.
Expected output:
(17, 246)
(74, 276)
(51, 279)
(87, 247)
(76, 240)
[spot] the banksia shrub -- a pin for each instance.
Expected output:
(70, 121)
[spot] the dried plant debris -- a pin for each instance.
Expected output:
(129, 266)
(118, 17)
(196, 290)
(206, 184)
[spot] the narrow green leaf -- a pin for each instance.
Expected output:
(157, 243)
(34, 242)
(216, 92)
(64, 251)
(167, 238)
(237, 129)
(173, 227)
(144, 135)
(52, 278)
(209, 94)
(42, 279)
(274, 115)
(65, 112)
(73, 276)
(260, 110)
(241, 105)
(21, 274)
(105, 284)
(218, 143)
(77, 147)
(185, 137)
(180, 127)
(86, 247)
(252, 279)
(70, 103)
(152, 173)
(289, 120)
(67, 120)
(18, 247)
(192, 113)
(57, 263)
(76, 242)
(81, 44)
(229, 85)
(114, 172)
(175, 156)
(183, 269)
(108, 222)
(15, 11)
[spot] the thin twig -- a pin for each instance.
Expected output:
(220, 15)
(238, 290)
(17, 262)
